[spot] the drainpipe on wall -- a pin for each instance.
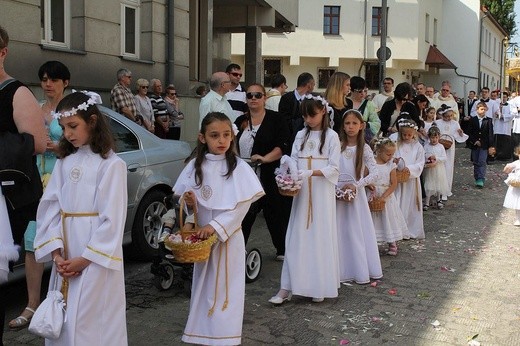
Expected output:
(480, 51)
(169, 43)
(365, 39)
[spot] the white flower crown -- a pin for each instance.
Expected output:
(94, 98)
(407, 123)
(441, 111)
(325, 104)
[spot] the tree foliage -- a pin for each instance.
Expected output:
(504, 13)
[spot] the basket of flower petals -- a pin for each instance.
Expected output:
(287, 177)
(446, 141)
(185, 245)
(376, 204)
(346, 195)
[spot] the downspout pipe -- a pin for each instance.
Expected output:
(169, 43)
(480, 51)
(365, 39)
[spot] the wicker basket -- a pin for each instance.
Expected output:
(287, 192)
(376, 204)
(190, 252)
(402, 176)
(446, 141)
(348, 195)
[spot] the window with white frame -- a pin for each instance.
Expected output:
(55, 22)
(130, 28)
(377, 20)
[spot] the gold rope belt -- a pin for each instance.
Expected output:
(224, 306)
(65, 281)
(309, 182)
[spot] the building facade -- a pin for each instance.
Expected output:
(345, 36)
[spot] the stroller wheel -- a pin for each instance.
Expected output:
(253, 265)
(164, 279)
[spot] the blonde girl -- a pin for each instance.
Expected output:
(410, 157)
(358, 253)
(389, 224)
(336, 95)
(435, 182)
(312, 224)
(218, 288)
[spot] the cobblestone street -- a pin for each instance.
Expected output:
(461, 282)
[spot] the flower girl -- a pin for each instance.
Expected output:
(435, 182)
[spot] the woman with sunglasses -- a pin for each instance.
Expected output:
(364, 106)
(144, 104)
(263, 139)
(172, 104)
(392, 108)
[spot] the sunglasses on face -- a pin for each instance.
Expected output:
(236, 74)
(144, 86)
(256, 95)
(447, 90)
(172, 94)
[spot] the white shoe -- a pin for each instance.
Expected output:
(280, 258)
(276, 300)
(517, 223)
(317, 300)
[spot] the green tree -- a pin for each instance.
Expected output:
(503, 12)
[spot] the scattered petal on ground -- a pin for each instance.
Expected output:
(344, 342)
(392, 291)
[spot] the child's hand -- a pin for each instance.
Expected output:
(371, 187)
(508, 168)
(190, 199)
(349, 186)
(205, 232)
(477, 144)
(306, 173)
(74, 266)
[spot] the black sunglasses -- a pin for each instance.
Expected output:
(256, 95)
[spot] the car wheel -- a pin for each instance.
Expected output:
(253, 265)
(148, 224)
(164, 282)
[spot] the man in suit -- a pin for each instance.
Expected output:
(289, 106)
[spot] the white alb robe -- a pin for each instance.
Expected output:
(357, 244)
(502, 124)
(451, 129)
(408, 194)
(310, 268)
(218, 288)
(84, 182)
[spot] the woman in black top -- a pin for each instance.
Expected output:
(262, 139)
(391, 109)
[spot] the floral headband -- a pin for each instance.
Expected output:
(379, 141)
(407, 123)
(94, 98)
(325, 104)
(444, 110)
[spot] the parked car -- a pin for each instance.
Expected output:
(153, 165)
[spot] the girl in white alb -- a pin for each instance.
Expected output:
(450, 127)
(410, 154)
(310, 268)
(512, 199)
(389, 223)
(358, 253)
(221, 187)
(80, 224)
(435, 182)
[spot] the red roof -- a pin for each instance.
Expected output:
(435, 58)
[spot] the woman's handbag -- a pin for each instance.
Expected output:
(48, 319)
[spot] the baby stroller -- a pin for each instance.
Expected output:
(166, 269)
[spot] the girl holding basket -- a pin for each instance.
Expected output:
(512, 199)
(310, 268)
(358, 254)
(220, 187)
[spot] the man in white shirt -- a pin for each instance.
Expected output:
(388, 92)
(278, 88)
(493, 107)
(236, 96)
(215, 100)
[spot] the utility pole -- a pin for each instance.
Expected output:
(382, 56)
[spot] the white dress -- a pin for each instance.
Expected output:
(84, 182)
(218, 288)
(408, 194)
(512, 199)
(358, 253)
(450, 128)
(435, 181)
(310, 267)
(389, 224)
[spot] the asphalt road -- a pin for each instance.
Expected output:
(460, 283)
